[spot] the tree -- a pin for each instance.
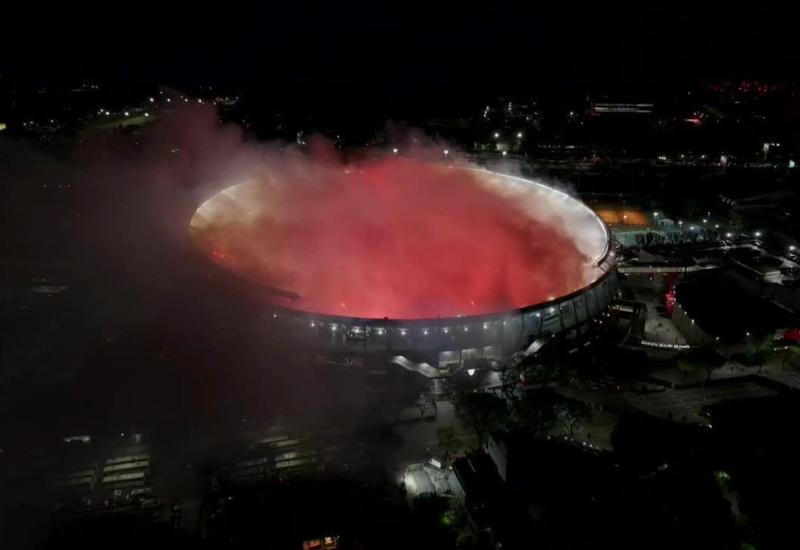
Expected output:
(760, 354)
(449, 441)
(790, 355)
(702, 358)
(536, 411)
(572, 415)
(736, 221)
(510, 375)
(482, 411)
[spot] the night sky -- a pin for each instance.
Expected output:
(406, 55)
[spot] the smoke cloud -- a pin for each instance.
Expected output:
(398, 237)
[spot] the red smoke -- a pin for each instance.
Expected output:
(394, 238)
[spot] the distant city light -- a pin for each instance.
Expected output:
(519, 135)
(127, 113)
(505, 153)
(496, 135)
(446, 152)
(757, 233)
(150, 99)
(728, 235)
(792, 247)
(394, 150)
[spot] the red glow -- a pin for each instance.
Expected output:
(395, 238)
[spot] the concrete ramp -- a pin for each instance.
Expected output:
(424, 369)
(536, 345)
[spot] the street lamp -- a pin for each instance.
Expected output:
(757, 233)
(496, 135)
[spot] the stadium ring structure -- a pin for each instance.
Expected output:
(448, 343)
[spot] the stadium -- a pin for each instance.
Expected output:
(561, 289)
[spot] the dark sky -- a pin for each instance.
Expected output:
(407, 52)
